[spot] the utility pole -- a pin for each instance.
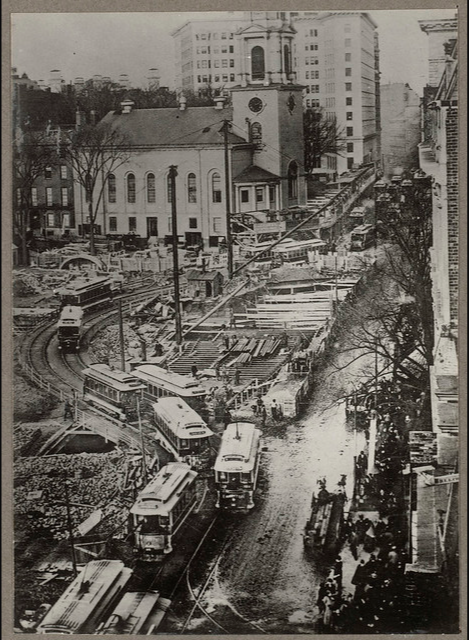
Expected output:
(229, 241)
(70, 527)
(177, 303)
(121, 334)
(144, 462)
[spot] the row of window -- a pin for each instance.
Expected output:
(207, 64)
(313, 75)
(206, 50)
(313, 103)
(150, 188)
(214, 36)
(311, 47)
(330, 87)
(49, 196)
(217, 225)
(223, 78)
(63, 172)
(313, 88)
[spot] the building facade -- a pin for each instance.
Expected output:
(264, 145)
(335, 56)
(400, 137)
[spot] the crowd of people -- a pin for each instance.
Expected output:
(93, 481)
(375, 602)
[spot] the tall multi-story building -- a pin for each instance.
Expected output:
(400, 112)
(335, 56)
(438, 31)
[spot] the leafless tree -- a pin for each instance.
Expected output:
(322, 135)
(94, 152)
(33, 152)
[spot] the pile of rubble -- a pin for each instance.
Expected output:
(106, 343)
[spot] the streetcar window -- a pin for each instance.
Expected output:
(245, 477)
(223, 477)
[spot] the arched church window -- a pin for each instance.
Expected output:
(191, 188)
(256, 133)
(131, 188)
(151, 188)
(287, 59)
(293, 180)
(257, 63)
(216, 187)
(111, 188)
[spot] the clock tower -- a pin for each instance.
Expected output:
(268, 106)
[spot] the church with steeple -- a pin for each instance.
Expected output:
(265, 151)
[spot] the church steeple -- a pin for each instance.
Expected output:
(266, 53)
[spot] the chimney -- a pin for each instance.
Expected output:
(219, 102)
(182, 103)
(127, 106)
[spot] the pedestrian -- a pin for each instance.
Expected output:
(68, 413)
(274, 410)
(227, 419)
(338, 565)
(263, 415)
(353, 543)
(359, 579)
(322, 592)
(217, 370)
(237, 376)
(194, 371)
(279, 412)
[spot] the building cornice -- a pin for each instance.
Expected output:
(429, 26)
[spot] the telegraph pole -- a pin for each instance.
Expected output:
(144, 462)
(177, 304)
(229, 241)
(121, 334)
(70, 527)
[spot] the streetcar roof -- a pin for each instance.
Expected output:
(238, 447)
(363, 228)
(183, 421)
(298, 244)
(97, 582)
(113, 377)
(163, 492)
(83, 284)
(135, 608)
(70, 316)
(157, 375)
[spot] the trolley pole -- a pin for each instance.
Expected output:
(229, 240)
(121, 334)
(177, 303)
(144, 462)
(70, 527)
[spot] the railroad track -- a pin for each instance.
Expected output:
(232, 621)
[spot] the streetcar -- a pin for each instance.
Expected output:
(296, 251)
(161, 383)
(362, 237)
(69, 328)
(185, 430)
(160, 511)
(88, 600)
(87, 293)
(237, 466)
(139, 612)
(113, 391)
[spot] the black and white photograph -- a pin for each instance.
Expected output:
(235, 288)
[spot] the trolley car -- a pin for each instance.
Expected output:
(87, 293)
(183, 428)
(69, 328)
(115, 392)
(237, 466)
(139, 612)
(161, 510)
(296, 251)
(160, 383)
(88, 600)
(362, 237)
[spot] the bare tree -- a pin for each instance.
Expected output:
(322, 135)
(404, 217)
(33, 152)
(94, 152)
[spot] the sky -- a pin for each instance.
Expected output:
(110, 44)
